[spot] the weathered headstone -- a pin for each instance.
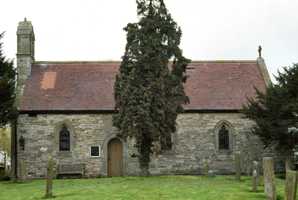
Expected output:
(22, 171)
(49, 179)
(256, 168)
(254, 181)
(206, 166)
(291, 185)
(269, 182)
(211, 173)
(238, 165)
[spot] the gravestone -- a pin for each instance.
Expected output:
(254, 181)
(22, 171)
(291, 185)
(211, 173)
(49, 179)
(206, 166)
(238, 165)
(269, 182)
(257, 169)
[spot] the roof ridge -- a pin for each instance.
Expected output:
(224, 61)
(75, 62)
(114, 61)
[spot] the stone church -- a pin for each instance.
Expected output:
(66, 112)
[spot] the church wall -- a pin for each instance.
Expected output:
(194, 142)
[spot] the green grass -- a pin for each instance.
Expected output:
(139, 188)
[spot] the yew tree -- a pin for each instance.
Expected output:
(7, 89)
(275, 112)
(149, 90)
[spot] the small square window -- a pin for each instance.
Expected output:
(95, 151)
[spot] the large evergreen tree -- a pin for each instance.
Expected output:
(149, 90)
(7, 89)
(275, 111)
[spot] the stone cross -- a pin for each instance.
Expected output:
(238, 165)
(260, 51)
(291, 185)
(269, 182)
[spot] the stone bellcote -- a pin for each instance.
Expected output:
(26, 39)
(25, 54)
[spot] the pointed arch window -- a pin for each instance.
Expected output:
(64, 139)
(223, 138)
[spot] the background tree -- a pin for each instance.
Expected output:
(5, 144)
(149, 90)
(7, 89)
(275, 111)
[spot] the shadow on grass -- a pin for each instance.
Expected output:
(231, 178)
(259, 196)
(65, 195)
(15, 182)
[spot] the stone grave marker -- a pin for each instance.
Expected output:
(238, 165)
(269, 178)
(291, 185)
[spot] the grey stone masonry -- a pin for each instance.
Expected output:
(195, 141)
(264, 70)
(25, 54)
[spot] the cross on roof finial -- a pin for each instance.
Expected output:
(260, 51)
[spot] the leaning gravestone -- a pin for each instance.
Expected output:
(269, 183)
(291, 185)
(238, 165)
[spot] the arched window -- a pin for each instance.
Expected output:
(64, 139)
(223, 138)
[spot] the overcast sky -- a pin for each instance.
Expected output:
(212, 29)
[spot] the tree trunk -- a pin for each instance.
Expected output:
(145, 171)
(144, 159)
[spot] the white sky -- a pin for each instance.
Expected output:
(212, 29)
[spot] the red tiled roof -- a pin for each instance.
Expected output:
(88, 86)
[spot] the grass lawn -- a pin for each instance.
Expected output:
(139, 188)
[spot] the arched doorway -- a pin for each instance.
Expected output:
(115, 158)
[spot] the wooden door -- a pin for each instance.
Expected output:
(115, 161)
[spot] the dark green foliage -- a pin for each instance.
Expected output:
(276, 110)
(149, 90)
(7, 89)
